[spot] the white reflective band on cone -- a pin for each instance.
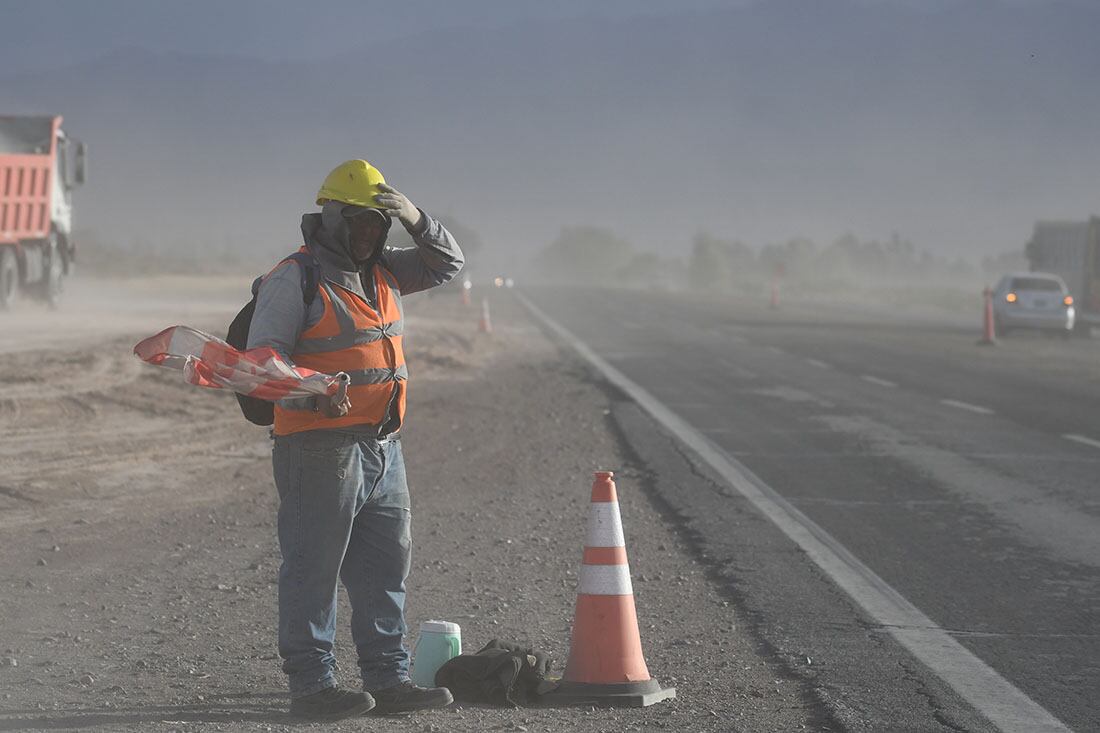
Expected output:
(605, 580)
(605, 527)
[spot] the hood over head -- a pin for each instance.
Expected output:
(326, 236)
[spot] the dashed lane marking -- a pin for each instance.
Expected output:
(1082, 440)
(967, 406)
(877, 380)
(1001, 702)
(818, 363)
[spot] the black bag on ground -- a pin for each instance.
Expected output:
(502, 673)
(257, 411)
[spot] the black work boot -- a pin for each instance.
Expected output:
(405, 697)
(333, 703)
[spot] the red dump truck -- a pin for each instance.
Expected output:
(39, 168)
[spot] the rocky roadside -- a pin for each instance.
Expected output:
(154, 610)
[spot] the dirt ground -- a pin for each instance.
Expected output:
(137, 579)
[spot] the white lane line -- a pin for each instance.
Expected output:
(818, 363)
(877, 380)
(1082, 440)
(1001, 702)
(967, 406)
(775, 350)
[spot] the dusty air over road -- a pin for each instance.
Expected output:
(728, 365)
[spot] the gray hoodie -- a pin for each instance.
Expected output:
(281, 315)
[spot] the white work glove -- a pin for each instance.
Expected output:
(395, 203)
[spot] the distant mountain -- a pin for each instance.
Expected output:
(957, 126)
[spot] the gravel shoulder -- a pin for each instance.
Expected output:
(137, 583)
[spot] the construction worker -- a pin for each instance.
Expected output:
(344, 503)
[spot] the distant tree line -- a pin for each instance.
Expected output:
(847, 262)
(589, 255)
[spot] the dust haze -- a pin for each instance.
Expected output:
(751, 242)
(871, 142)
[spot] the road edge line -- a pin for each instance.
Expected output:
(1082, 440)
(968, 406)
(994, 697)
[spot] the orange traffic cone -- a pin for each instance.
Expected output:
(485, 325)
(606, 665)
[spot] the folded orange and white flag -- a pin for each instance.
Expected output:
(207, 361)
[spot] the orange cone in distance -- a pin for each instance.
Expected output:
(485, 325)
(606, 665)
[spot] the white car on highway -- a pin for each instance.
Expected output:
(1032, 300)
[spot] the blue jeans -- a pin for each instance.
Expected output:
(343, 513)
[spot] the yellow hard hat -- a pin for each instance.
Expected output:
(353, 182)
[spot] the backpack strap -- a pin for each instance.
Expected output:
(311, 275)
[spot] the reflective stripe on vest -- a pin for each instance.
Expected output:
(364, 342)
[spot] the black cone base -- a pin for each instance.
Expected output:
(629, 695)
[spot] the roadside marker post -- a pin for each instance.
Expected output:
(777, 275)
(989, 337)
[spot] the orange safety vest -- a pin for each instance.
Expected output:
(365, 343)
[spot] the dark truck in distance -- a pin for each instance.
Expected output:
(1071, 249)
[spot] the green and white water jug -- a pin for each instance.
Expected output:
(438, 642)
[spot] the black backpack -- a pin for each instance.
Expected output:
(257, 411)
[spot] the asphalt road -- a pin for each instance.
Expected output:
(965, 477)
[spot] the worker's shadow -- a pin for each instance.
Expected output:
(261, 707)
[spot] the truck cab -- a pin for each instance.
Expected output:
(40, 166)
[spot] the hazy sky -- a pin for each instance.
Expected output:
(56, 32)
(956, 123)
(67, 30)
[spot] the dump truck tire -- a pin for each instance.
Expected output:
(52, 283)
(9, 278)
